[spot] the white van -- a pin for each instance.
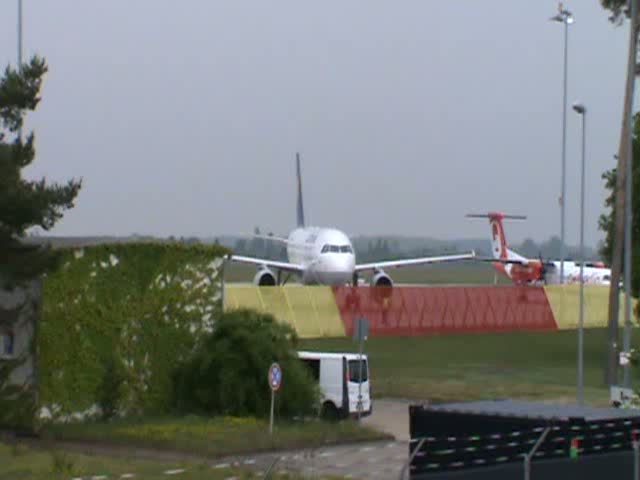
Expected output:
(338, 375)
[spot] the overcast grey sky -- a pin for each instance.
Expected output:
(184, 117)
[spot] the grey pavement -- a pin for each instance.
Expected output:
(358, 461)
(391, 416)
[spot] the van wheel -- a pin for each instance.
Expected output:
(329, 412)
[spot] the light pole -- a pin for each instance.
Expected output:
(20, 48)
(566, 17)
(581, 110)
(19, 33)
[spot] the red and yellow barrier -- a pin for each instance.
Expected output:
(312, 311)
(436, 310)
(564, 301)
(422, 310)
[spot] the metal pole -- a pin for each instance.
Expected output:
(582, 259)
(564, 149)
(360, 334)
(636, 459)
(20, 49)
(222, 284)
(19, 34)
(628, 221)
(411, 457)
(529, 455)
(273, 394)
(271, 467)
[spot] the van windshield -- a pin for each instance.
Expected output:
(354, 371)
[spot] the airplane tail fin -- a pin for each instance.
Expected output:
(300, 208)
(499, 246)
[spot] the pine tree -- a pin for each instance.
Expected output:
(25, 203)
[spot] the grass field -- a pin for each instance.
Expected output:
(482, 366)
(214, 436)
(463, 272)
(20, 462)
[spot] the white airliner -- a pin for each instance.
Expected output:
(326, 256)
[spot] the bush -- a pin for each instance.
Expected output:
(17, 401)
(109, 392)
(227, 373)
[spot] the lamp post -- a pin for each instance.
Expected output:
(565, 17)
(19, 33)
(20, 48)
(581, 110)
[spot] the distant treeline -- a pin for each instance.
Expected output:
(368, 248)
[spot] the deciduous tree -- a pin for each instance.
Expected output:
(619, 11)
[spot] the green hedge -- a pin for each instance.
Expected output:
(117, 318)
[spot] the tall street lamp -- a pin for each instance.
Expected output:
(20, 49)
(581, 110)
(565, 17)
(19, 33)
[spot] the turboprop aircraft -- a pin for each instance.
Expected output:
(522, 270)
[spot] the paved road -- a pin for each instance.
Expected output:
(391, 416)
(371, 460)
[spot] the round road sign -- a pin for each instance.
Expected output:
(275, 376)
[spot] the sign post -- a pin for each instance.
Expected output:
(360, 334)
(275, 380)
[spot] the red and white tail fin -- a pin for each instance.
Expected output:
(499, 246)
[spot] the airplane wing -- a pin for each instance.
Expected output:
(413, 261)
(270, 237)
(261, 262)
(502, 260)
(516, 261)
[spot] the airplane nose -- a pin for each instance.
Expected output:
(338, 269)
(346, 262)
(350, 262)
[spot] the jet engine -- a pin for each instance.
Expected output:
(265, 277)
(381, 279)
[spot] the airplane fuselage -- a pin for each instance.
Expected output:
(592, 275)
(326, 254)
(533, 272)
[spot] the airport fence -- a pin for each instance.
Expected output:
(541, 452)
(513, 440)
(320, 311)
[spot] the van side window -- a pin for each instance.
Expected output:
(314, 368)
(354, 371)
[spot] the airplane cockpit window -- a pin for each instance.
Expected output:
(336, 249)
